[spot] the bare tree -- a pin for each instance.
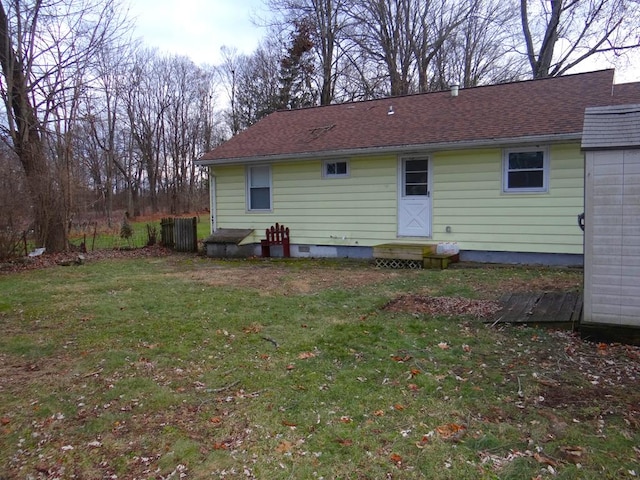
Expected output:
(405, 36)
(147, 101)
(328, 20)
(480, 51)
(43, 46)
(252, 84)
(191, 91)
(434, 24)
(384, 30)
(561, 34)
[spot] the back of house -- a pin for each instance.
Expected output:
(496, 171)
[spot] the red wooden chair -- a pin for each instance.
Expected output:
(276, 235)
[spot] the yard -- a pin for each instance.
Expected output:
(153, 365)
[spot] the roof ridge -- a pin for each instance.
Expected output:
(440, 92)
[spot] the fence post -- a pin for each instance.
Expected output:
(180, 234)
(166, 232)
(194, 228)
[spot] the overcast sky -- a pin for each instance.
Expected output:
(198, 28)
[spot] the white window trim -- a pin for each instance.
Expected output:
(335, 175)
(545, 171)
(248, 190)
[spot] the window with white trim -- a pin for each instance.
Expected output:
(525, 170)
(335, 168)
(259, 188)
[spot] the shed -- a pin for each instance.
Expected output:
(611, 142)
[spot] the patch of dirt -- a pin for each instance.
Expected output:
(445, 306)
(77, 258)
(271, 279)
(604, 379)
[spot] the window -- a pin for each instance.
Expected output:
(335, 168)
(526, 170)
(416, 177)
(259, 188)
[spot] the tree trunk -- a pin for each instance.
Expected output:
(49, 217)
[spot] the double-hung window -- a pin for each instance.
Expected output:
(259, 188)
(526, 170)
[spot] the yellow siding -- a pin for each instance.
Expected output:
(466, 195)
(357, 210)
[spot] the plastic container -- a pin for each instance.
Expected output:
(447, 248)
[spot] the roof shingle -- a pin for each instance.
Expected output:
(534, 108)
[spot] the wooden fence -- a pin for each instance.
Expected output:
(180, 234)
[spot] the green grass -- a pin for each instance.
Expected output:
(154, 367)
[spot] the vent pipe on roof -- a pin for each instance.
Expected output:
(454, 89)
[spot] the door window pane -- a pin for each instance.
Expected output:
(416, 177)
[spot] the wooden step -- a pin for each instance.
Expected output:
(440, 261)
(408, 255)
(403, 251)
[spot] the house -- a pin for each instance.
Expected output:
(611, 141)
(497, 170)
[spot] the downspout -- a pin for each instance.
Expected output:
(212, 200)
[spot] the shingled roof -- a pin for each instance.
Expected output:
(505, 114)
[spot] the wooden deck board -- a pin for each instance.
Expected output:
(561, 308)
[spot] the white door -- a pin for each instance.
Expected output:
(414, 200)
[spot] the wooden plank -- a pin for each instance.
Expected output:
(515, 310)
(576, 314)
(546, 308)
(567, 306)
(400, 251)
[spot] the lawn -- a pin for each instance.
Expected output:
(177, 366)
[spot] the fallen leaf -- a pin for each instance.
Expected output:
(289, 424)
(345, 442)
(398, 407)
(346, 419)
(413, 387)
(423, 441)
(398, 358)
(395, 458)
(215, 420)
(290, 367)
(284, 447)
(220, 446)
(379, 413)
(451, 431)
(5, 420)
(415, 372)
(443, 346)
(466, 348)
(306, 355)
(572, 454)
(545, 460)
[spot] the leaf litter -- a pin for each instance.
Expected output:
(580, 381)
